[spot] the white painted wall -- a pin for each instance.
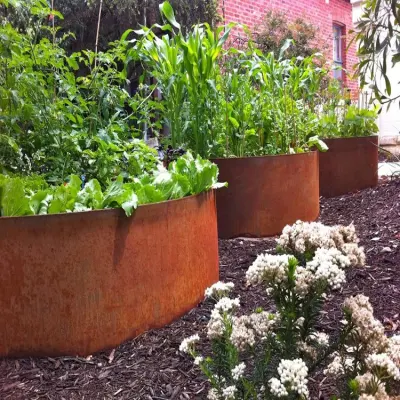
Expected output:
(389, 120)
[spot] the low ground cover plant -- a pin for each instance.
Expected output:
(271, 354)
(32, 195)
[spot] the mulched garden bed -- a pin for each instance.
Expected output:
(150, 367)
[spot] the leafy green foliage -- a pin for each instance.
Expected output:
(348, 121)
(30, 196)
(223, 102)
(56, 122)
(378, 37)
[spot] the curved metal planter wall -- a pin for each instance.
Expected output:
(266, 193)
(349, 165)
(82, 282)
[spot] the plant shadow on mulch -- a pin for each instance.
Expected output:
(151, 367)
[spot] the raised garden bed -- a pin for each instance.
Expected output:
(151, 366)
(349, 165)
(266, 193)
(73, 284)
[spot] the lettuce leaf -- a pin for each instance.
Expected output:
(90, 197)
(172, 185)
(14, 201)
(201, 174)
(64, 197)
(120, 195)
(39, 202)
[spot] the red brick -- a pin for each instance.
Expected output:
(316, 12)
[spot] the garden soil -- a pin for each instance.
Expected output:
(151, 367)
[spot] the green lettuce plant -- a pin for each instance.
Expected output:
(21, 196)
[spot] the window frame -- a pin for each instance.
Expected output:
(338, 50)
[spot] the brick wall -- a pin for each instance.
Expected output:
(321, 13)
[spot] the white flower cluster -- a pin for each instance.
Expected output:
(215, 326)
(238, 371)
(304, 237)
(188, 344)
(268, 268)
(262, 323)
(383, 362)
(370, 331)
(221, 311)
(307, 350)
(335, 368)
(368, 381)
(247, 328)
(219, 290)
(334, 249)
(243, 335)
(198, 360)
(380, 355)
(338, 365)
(227, 305)
(277, 388)
(328, 265)
(213, 395)
(292, 377)
(321, 338)
(330, 256)
(394, 349)
(228, 393)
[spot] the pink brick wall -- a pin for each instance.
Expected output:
(321, 13)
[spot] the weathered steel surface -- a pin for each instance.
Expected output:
(266, 193)
(78, 283)
(349, 165)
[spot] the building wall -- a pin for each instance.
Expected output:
(321, 13)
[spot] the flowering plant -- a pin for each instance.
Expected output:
(267, 355)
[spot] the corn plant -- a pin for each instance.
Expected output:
(186, 71)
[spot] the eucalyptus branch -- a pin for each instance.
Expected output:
(98, 33)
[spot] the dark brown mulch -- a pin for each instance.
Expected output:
(150, 367)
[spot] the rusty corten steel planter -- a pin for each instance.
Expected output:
(82, 282)
(349, 165)
(266, 193)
